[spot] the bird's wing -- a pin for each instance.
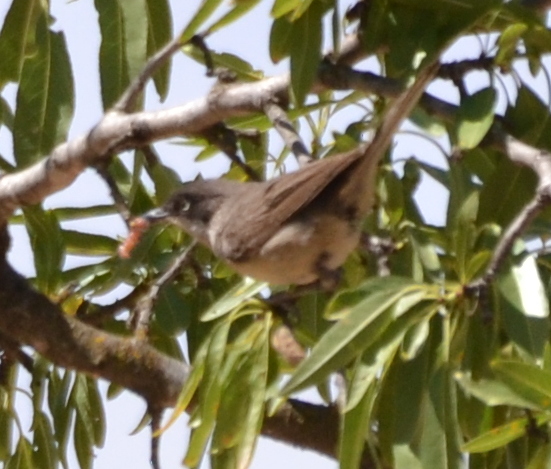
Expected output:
(286, 195)
(277, 202)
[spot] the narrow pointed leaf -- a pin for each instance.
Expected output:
(359, 327)
(113, 65)
(233, 298)
(45, 97)
(16, 35)
(204, 12)
(306, 51)
(239, 9)
(159, 33)
(501, 436)
(528, 381)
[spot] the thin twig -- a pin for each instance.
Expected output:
(516, 227)
(142, 314)
(127, 102)
(103, 313)
(287, 131)
(540, 162)
(226, 140)
(118, 199)
(199, 42)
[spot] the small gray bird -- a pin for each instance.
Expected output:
(298, 227)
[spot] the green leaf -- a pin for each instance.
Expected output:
(500, 203)
(240, 8)
(83, 444)
(355, 427)
(382, 350)
(97, 412)
(172, 310)
(475, 117)
(243, 69)
(190, 386)
(281, 39)
(45, 97)
(135, 23)
(523, 287)
(48, 247)
(541, 458)
(502, 435)
(209, 396)
(464, 233)
(528, 381)
(373, 311)
(79, 398)
(16, 37)
(492, 392)
(301, 9)
(22, 458)
(439, 445)
(158, 34)
(112, 54)
(233, 298)
(60, 408)
(45, 451)
(306, 51)
(282, 7)
(526, 309)
(88, 244)
(233, 405)
(166, 181)
(204, 12)
(258, 382)
(7, 392)
(508, 43)
(529, 119)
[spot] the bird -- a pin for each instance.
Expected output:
(297, 228)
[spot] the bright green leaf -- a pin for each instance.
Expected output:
(16, 36)
(258, 381)
(159, 33)
(475, 117)
(282, 7)
(355, 427)
(205, 11)
(113, 65)
(136, 29)
(523, 287)
(528, 381)
(48, 247)
(359, 327)
(45, 454)
(491, 392)
(233, 298)
(88, 244)
(501, 436)
(306, 51)
(239, 9)
(45, 96)
(281, 39)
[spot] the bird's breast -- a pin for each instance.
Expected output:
(302, 250)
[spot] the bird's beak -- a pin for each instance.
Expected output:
(156, 215)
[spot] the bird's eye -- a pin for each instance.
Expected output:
(185, 205)
(180, 205)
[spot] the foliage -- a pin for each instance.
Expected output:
(432, 373)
